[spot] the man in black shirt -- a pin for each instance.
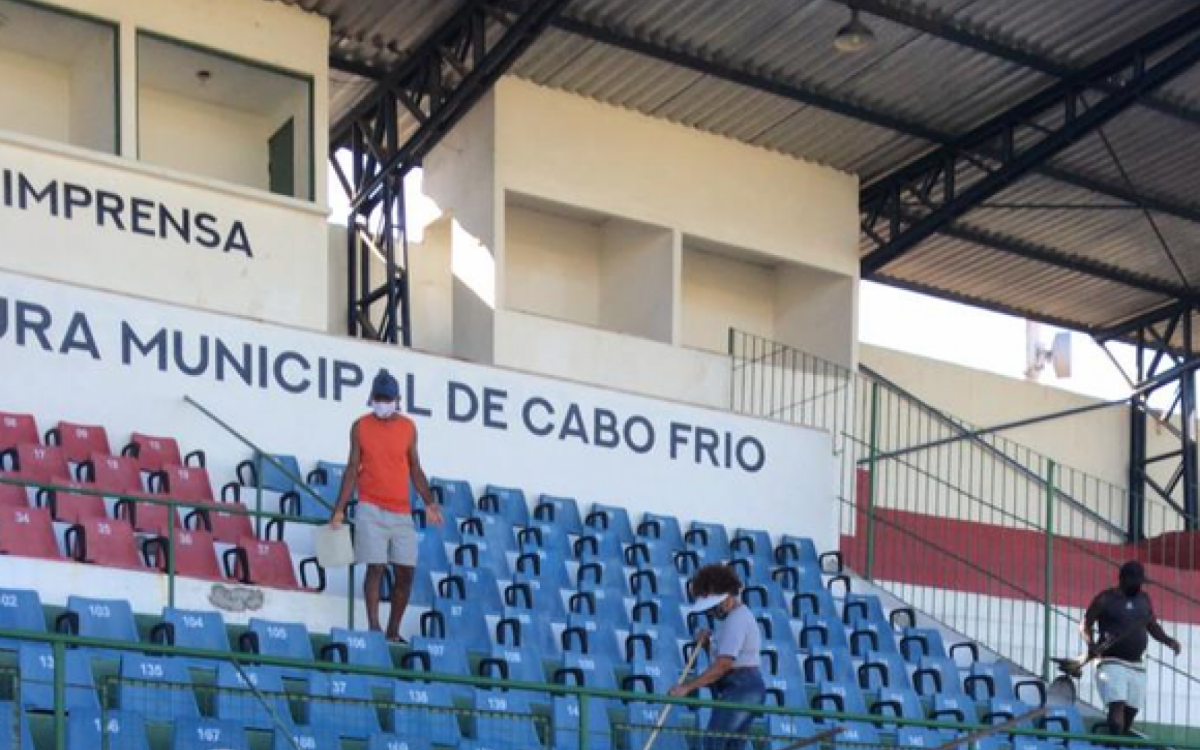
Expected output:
(1126, 621)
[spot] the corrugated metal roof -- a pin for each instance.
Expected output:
(918, 76)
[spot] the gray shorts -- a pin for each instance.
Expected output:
(1119, 682)
(382, 537)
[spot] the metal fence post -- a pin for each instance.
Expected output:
(872, 451)
(1048, 587)
(60, 696)
(258, 490)
(583, 722)
(172, 511)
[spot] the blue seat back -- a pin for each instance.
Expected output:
(597, 670)
(21, 609)
(842, 696)
(796, 549)
(193, 733)
(284, 639)
(275, 479)
(858, 734)
(503, 719)
(115, 730)
(858, 608)
(463, 620)
(661, 527)
(523, 663)
(817, 602)
(307, 738)
(754, 543)
(783, 730)
(342, 704)
(920, 643)
(197, 629)
(159, 688)
(35, 663)
(425, 710)
(365, 648)
(601, 639)
(14, 726)
(819, 660)
(952, 707)
(104, 618)
(921, 737)
(988, 680)
(899, 702)
(641, 719)
(562, 512)
(567, 721)
(511, 500)
(238, 702)
(456, 496)
(822, 630)
(389, 741)
(884, 669)
(446, 655)
(711, 537)
(612, 520)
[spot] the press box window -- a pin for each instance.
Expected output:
(58, 76)
(229, 119)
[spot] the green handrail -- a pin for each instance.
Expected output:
(62, 641)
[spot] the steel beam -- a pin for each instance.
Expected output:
(953, 179)
(388, 133)
(824, 100)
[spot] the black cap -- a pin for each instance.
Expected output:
(1133, 571)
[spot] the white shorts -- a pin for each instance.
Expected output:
(382, 537)
(1121, 683)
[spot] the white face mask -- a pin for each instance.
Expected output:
(384, 409)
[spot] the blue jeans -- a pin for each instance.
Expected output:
(738, 686)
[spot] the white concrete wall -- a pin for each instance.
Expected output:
(552, 265)
(35, 99)
(198, 138)
(640, 281)
(718, 293)
(93, 98)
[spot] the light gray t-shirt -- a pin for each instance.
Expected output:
(738, 636)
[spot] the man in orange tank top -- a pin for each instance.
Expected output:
(383, 462)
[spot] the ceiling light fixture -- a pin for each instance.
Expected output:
(855, 36)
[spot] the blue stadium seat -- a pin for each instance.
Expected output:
(547, 594)
(661, 527)
(776, 630)
(640, 721)
(35, 664)
(662, 614)
(20, 609)
(561, 512)
(783, 731)
(272, 477)
(425, 710)
(444, 655)
(491, 535)
(456, 495)
(793, 550)
(656, 583)
(503, 720)
(883, 669)
(918, 643)
(327, 473)
(598, 547)
(194, 733)
(588, 634)
(288, 640)
(783, 674)
(342, 704)
(860, 608)
(513, 663)
(364, 648)
(828, 663)
(237, 701)
(870, 637)
(612, 520)
(116, 730)
(460, 619)
(761, 595)
(188, 628)
(987, 680)
(567, 720)
(817, 602)
(10, 718)
(841, 696)
(479, 582)
(399, 742)
(299, 502)
(159, 688)
(111, 619)
(796, 578)
(1064, 719)
(952, 707)
(660, 673)
(922, 737)
(857, 735)
(898, 702)
(508, 502)
(937, 675)
(606, 604)
(754, 543)
(643, 553)
(524, 627)
(822, 630)
(710, 537)
(421, 594)
(594, 671)
(1000, 710)
(596, 575)
(306, 738)
(544, 538)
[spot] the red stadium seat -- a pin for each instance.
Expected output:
(154, 453)
(183, 483)
(28, 532)
(194, 555)
(103, 541)
(147, 518)
(72, 507)
(38, 463)
(260, 562)
(224, 526)
(13, 496)
(16, 429)
(116, 474)
(78, 441)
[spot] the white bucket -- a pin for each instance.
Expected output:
(334, 548)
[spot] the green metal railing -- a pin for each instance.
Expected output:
(993, 539)
(162, 700)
